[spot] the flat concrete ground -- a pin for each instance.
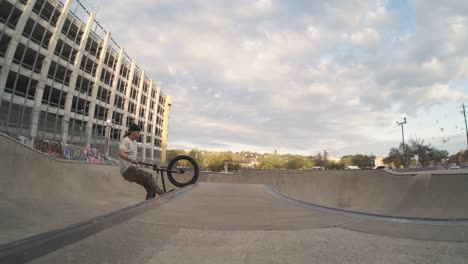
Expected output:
(240, 223)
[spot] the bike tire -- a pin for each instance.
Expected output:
(196, 171)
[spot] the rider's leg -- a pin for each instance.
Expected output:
(143, 178)
(151, 184)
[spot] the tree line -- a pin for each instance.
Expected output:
(215, 161)
(415, 153)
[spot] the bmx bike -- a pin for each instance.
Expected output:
(181, 171)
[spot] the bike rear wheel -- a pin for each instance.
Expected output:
(182, 171)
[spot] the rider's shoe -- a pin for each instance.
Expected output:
(150, 196)
(159, 191)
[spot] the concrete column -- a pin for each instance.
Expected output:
(45, 68)
(127, 92)
(111, 105)
(97, 81)
(138, 106)
(139, 93)
(10, 52)
(147, 121)
(167, 108)
(114, 85)
(155, 117)
(74, 77)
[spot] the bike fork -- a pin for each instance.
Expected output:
(163, 183)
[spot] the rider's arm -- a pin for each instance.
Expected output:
(124, 156)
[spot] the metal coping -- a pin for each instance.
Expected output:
(369, 216)
(30, 248)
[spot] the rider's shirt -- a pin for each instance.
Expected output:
(130, 148)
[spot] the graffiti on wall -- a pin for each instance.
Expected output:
(25, 140)
(52, 148)
(59, 150)
(73, 152)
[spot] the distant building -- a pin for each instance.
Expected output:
(64, 78)
(457, 158)
(379, 161)
(334, 159)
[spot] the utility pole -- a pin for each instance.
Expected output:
(466, 125)
(403, 139)
(324, 158)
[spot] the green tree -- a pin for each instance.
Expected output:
(319, 160)
(198, 155)
(347, 160)
(308, 163)
(335, 166)
(421, 151)
(437, 155)
(426, 153)
(395, 158)
(215, 160)
(294, 162)
(363, 161)
(171, 153)
(400, 157)
(271, 161)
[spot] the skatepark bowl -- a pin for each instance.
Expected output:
(55, 211)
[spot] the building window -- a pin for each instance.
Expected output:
(59, 73)
(28, 58)
(80, 106)
(72, 31)
(37, 33)
(21, 85)
(9, 14)
(54, 97)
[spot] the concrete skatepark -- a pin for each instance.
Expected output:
(70, 212)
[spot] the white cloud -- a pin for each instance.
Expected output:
(367, 37)
(378, 17)
(255, 8)
(311, 72)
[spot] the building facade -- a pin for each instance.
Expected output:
(63, 78)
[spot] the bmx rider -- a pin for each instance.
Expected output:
(128, 161)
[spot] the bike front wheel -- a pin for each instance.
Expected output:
(182, 171)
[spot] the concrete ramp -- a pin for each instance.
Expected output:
(68, 212)
(425, 195)
(247, 223)
(39, 193)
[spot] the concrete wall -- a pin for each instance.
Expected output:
(38, 193)
(372, 191)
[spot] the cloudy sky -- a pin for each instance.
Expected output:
(299, 76)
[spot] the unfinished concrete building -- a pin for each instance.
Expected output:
(63, 78)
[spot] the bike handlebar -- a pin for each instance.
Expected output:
(147, 164)
(157, 168)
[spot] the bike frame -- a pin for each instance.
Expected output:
(172, 169)
(160, 170)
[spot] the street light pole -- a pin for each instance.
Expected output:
(466, 126)
(108, 122)
(403, 138)
(324, 157)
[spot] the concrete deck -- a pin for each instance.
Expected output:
(236, 223)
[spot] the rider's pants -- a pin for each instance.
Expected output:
(144, 178)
